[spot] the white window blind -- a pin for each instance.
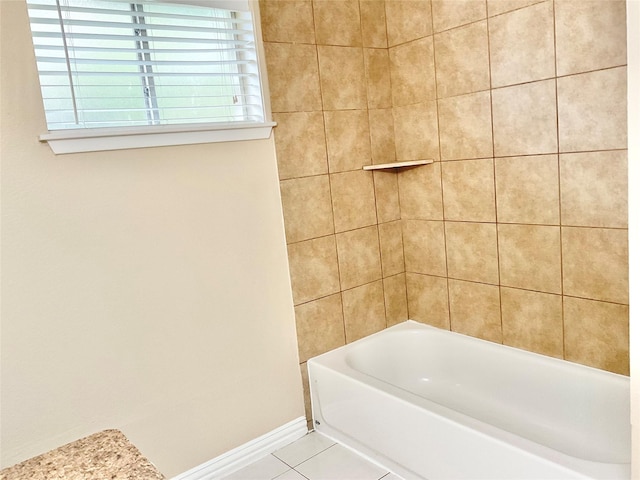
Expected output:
(116, 63)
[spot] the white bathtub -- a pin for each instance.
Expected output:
(430, 404)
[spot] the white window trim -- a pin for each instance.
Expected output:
(105, 139)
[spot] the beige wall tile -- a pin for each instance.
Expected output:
(378, 75)
(522, 45)
(590, 35)
(383, 143)
(530, 257)
(294, 84)
(353, 199)
(421, 192)
(524, 119)
(391, 249)
(592, 110)
(453, 13)
(306, 205)
(358, 257)
(462, 60)
(386, 190)
(595, 263)
(395, 299)
(287, 21)
(412, 72)
(465, 126)
(472, 251)
(527, 190)
(337, 22)
(597, 334)
(348, 139)
(475, 310)
(594, 189)
(532, 321)
(322, 315)
(416, 131)
(301, 144)
(313, 266)
(374, 23)
(428, 299)
(364, 311)
(342, 77)
(496, 7)
(469, 192)
(407, 20)
(424, 250)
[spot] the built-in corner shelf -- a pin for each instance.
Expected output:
(396, 165)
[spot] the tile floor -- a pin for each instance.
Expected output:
(313, 457)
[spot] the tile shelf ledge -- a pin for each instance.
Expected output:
(397, 165)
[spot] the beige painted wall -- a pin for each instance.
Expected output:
(145, 290)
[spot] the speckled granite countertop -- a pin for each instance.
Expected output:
(107, 455)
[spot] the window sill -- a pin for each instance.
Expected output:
(102, 139)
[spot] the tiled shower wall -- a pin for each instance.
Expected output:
(518, 232)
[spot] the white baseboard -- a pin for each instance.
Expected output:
(251, 451)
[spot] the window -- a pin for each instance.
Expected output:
(113, 67)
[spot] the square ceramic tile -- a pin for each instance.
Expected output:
(594, 189)
(306, 206)
(469, 191)
(527, 190)
(462, 60)
(294, 80)
(475, 310)
(387, 202)
(353, 198)
(412, 72)
(364, 312)
(325, 315)
(420, 191)
(338, 463)
(449, 14)
(597, 334)
(337, 22)
(592, 110)
(524, 119)
(342, 77)
(378, 75)
(348, 139)
(530, 257)
(595, 263)
(532, 321)
(424, 250)
(522, 45)
(407, 20)
(303, 449)
(383, 142)
(290, 475)
(359, 257)
(374, 23)
(496, 7)
(313, 266)
(391, 250)
(428, 299)
(301, 144)
(395, 299)
(265, 469)
(472, 251)
(416, 131)
(590, 35)
(465, 126)
(290, 21)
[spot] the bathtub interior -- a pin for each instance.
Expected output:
(577, 410)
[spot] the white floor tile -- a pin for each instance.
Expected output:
(266, 468)
(391, 476)
(290, 475)
(338, 463)
(303, 449)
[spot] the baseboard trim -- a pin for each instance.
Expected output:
(251, 451)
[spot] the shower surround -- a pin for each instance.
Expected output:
(518, 232)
